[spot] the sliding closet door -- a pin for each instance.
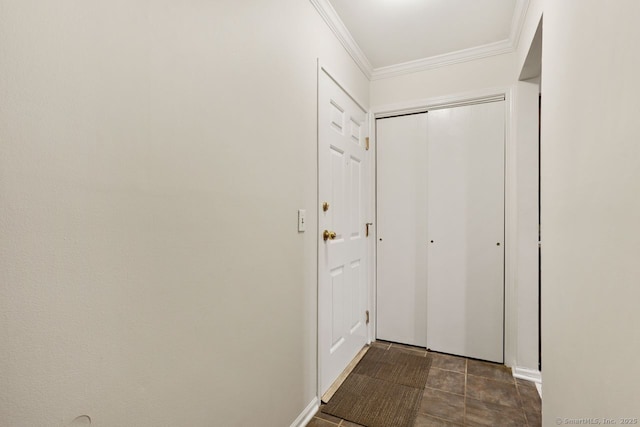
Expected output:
(402, 229)
(465, 223)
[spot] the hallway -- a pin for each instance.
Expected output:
(163, 208)
(464, 392)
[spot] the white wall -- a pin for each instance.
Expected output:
(590, 210)
(526, 133)
(153, 156)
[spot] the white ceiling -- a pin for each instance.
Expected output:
(385, 33)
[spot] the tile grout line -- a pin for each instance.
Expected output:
(493, 379)
(449, 370)
(444, 391)
(526, 419)
(464, 408)
(439, 418)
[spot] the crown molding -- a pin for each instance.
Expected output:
(517, 23)
(491, 49)
(330, 16)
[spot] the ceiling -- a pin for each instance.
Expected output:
(390, 37)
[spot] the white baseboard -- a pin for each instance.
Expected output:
(529, 375)
(306, 415)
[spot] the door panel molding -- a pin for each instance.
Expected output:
(344, 182)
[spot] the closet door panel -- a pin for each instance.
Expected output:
(401, 229)
(465, 223)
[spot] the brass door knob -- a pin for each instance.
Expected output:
(328, 235)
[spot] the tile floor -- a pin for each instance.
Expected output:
(465, 392)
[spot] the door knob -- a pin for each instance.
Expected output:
(328, 235)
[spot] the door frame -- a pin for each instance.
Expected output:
(510, 201)
(370, 262)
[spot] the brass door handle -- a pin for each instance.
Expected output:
(328, 235)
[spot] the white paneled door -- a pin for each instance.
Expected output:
(465, 226)
(343, 198)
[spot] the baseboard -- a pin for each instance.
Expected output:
(527, 374)
(306, 415)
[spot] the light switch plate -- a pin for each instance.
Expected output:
(302, 220)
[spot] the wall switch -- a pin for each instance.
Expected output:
(302, 220)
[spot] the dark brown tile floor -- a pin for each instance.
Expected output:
(465, 392)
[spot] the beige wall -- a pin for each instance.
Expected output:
(590, 210)
(153, 156)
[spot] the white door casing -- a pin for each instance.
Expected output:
(343, 164)
(465, 223)
(402, 229)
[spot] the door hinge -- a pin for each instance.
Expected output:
(366, 143)
(367, 314)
